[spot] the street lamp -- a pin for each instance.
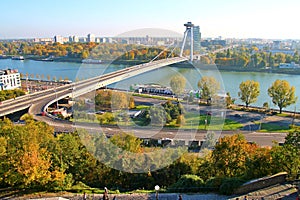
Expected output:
(55, 90)
(156, 190)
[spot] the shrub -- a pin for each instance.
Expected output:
(187, 183)
(229, 185)
(214, 183)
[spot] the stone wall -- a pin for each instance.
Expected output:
(261, 183)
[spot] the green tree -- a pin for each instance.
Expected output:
(127, 142)
(157, 115)
(249, 91)
(286, 157)
(209, 87)
(282, 94)
(177, 84)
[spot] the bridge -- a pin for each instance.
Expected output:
(39, 101)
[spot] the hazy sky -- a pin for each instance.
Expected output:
(274, 19)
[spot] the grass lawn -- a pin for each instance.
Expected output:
(284, 115)
(142, 107)
(153, 96)
(265, 127)
(194, 121)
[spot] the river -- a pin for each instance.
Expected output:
(229, 80)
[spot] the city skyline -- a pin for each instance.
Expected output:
(230, 19)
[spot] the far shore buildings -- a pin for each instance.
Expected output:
(151, 41)
(9, 79)
(291, 65)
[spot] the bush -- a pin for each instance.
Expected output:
(79, 187)
(214, 183)
(187, 183)
(229, 185)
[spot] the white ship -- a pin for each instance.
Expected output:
(91, 61)
(17, 58)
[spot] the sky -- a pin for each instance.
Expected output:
(269, 19)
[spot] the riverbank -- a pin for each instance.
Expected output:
(78, 60)
(201, 66)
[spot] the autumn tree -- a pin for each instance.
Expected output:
(249, 91)
(108, 99)
(230, 155)
(282, 94)
(177, 84)
(26, 159)
(209, 87)
(131, 102)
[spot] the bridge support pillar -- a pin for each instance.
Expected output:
(188, 32)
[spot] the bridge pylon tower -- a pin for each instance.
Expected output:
(188, 32)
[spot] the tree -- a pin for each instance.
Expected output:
(131, 102)
(229, 99)
(230, 155)
(286, 157)
(209, 87)
(177, 84)
(282, 94)
(85, 54)
(158, 115)
(249, 91)
(26, 158)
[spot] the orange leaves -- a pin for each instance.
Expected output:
(33, 165)
(230, 155)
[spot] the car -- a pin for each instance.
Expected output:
(208, 113)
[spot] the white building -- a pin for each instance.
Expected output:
(9, 79)
(291, 65)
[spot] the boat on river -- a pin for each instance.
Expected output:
(49, 59)
(18, 58)
(91, 61)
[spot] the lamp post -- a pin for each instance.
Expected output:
(56, 97)
(156, 191)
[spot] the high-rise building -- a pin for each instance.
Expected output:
(197, 39)
(91, 38)
(59, 39)
(73, 39)
(9, 79)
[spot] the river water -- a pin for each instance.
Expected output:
(229, 80)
